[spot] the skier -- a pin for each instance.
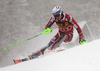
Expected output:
(65, 24)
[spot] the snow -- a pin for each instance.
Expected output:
(80, 58)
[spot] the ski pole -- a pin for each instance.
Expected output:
(47, 31)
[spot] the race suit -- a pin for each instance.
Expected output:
(65, 26)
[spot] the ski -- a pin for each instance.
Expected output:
(17, 61)
(37, 54)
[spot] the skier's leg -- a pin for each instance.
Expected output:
(34, 55)
(56, 40)
(69, 37)
(38, 53)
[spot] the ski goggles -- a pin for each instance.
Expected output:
(57, 12)
(57, 15)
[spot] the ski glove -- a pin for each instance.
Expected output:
(81, 39)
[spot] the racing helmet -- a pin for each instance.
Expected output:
(57, 11)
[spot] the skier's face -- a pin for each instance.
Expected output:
(58, 17)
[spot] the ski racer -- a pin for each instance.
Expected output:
(65, 24)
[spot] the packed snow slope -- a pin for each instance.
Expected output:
(80, 58)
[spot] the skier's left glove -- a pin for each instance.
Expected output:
(81, 39)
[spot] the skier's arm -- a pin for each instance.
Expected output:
(76, 26)
(50, 23)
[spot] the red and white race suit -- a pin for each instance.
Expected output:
(65, 26)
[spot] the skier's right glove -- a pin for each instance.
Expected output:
(47, 31)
